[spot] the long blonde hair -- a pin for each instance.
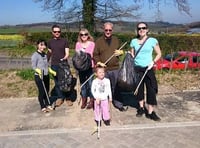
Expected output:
(90, 38)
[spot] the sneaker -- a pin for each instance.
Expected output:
(44, 110)
(123, 109)
(50, 108)
(107, 122)
(69, 102)
(97, 123)
(140, 112)
(153, 116)
(59, 102)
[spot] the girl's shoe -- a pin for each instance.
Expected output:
(107, 122)
(44, 110)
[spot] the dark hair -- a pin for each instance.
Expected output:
(42, 41)
(138, 25)
(55, 26)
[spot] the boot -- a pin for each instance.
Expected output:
(84, 103)
(91, 103)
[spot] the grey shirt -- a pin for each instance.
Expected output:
(39, 60)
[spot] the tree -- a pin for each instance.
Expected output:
(91, 11)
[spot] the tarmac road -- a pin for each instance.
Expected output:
(24, 125)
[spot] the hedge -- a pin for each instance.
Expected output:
(168, 42)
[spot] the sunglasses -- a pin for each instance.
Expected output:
(141, 28)
(108, 30)
(86, 34)
(56, 31)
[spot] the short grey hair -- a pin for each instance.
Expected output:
(108, 23)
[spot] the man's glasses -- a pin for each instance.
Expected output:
(141, 28)
(108, 30)
(82, 34)
(56, 31)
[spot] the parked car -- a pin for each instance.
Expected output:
(179, 60)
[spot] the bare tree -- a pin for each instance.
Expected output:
(91, 11)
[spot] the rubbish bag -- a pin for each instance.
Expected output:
(82, 61)
(128, 78)
(65, 77)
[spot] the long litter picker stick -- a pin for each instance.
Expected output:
(104, 63)
(136, 90)
(99, 123)
(45, 88)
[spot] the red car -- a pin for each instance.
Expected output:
(179, 60)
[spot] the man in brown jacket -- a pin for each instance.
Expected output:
(105, 47)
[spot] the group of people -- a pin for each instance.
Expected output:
(101, 90)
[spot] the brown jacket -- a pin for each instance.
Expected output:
(103, 51)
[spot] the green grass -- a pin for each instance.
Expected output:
(26, 74)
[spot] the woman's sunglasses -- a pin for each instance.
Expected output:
(82, 34)
(141, 28)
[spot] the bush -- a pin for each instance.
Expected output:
(26, 74)
(168, 42)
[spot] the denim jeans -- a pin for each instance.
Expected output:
(86, 88)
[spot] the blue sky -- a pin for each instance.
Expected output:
(14, 12)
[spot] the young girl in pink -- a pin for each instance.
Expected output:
(101, 90)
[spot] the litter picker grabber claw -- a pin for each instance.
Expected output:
(136, 90)
(104, 63)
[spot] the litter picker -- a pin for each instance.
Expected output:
(45, 87)
(136, 90)
(104, 63)
(97, 129)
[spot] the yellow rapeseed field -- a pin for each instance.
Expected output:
(15, 37)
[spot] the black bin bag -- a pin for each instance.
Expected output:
(128, 78)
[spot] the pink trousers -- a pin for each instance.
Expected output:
(101, 110)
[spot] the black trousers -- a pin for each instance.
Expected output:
(42, 98)
(151, 86)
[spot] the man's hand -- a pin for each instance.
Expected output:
(51, 71)
(118, 52)
(39, 72)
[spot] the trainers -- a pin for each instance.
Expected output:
(69, 102)
(44, 110)
(140, 112)
(59, 102)
(153, 116)
(107, 122)
(50, 108)
(123, 109)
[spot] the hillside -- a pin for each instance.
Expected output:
(156, 27)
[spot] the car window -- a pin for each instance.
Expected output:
(196, 59)
(183, 59)
(172, 57)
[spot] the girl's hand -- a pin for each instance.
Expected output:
(98, 101)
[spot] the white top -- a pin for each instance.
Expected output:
(101, 89)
